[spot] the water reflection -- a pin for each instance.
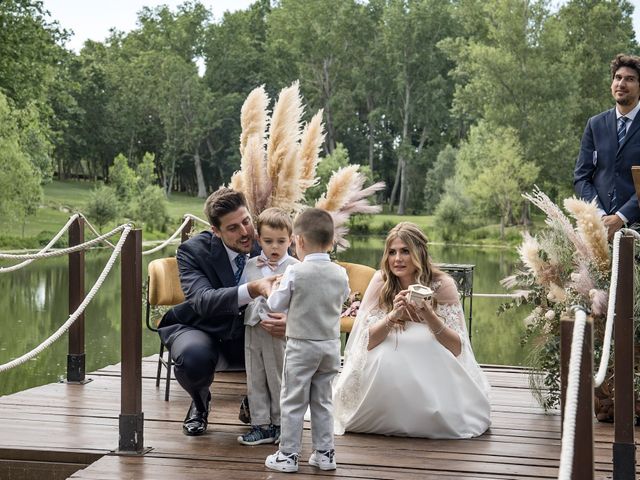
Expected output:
(34, 304)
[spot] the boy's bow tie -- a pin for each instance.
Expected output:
(264, 262)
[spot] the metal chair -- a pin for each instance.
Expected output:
(163, 288)
(359, 278)
(463, 276)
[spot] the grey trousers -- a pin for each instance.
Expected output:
(264, 357)
(309, 368)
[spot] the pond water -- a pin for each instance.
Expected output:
(35, 304)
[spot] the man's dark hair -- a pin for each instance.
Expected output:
(316, 226)
(222, 201)
(622, 60)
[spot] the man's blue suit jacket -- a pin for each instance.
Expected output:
(210, 291)
(603, 168)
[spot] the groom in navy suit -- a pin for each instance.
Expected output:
(206, 333)
(610, 147)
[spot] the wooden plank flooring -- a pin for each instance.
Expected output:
(60, 428)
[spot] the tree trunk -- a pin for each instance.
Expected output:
(202, 189)
(402, 202)
(396, 184)
(330, 138)
(370, 125)
(60, 170)
(405, 142)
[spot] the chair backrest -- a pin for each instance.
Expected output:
(164, 282)
(359, 276)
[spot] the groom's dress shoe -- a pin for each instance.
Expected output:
(195, 423)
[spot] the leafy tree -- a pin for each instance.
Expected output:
(103, 205)
(443, 168)
(452, 213)
(20, 190)
(491, 166)
(145, 171)
(152, 208)
(419, 96)
(123, 178)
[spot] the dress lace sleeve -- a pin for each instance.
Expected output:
(450, 310)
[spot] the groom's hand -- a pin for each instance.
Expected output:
(275, 324)
(613, 223)
(262, 287)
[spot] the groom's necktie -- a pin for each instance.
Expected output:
(240, 260)
(622, 129)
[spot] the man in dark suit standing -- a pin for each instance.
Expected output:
(206, 332)
(610, 147)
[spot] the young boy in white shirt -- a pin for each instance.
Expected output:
(263, 352)
(313, 291)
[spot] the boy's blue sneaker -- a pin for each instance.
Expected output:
(258, 435)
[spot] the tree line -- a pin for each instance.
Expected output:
(458, 105)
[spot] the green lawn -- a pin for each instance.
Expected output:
(63, 198)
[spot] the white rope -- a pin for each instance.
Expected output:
(72, 318)
(187, 217)
(95, 232)
(197, 219)
(65, 251)
(571, 399)
(18, 266)
(611, 307)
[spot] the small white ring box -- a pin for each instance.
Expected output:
(418, 292)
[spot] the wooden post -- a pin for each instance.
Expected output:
(624, 449)
(131, 415)
(583, 456)
(185, 231)
(76, 355)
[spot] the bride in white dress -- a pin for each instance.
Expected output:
(409, 369)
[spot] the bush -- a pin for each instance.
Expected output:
(103, 206)
(151, 208)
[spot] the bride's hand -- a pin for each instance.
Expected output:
(398, 316)
(421, 311)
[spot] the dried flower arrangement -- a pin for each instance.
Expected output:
(562, 266)
(278, 166)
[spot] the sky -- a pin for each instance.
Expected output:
(92, 19)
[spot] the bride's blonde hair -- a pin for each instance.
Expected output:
(416, 241)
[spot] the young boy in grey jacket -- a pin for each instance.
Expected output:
(263, 352)
(313, 291)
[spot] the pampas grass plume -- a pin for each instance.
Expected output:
(308, 154)
(591, 229)
(253, 117)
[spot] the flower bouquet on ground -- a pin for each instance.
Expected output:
(564, 265)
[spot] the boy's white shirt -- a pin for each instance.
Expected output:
(280, 298)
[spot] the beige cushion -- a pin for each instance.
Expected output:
(164, 282)
(359, 278)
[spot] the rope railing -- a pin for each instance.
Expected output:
(65, 251)
(187, 218)
(20, 265)
(94, 231)
(608, 331)
(571, 402)
(72, 318)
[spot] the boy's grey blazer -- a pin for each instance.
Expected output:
(603, 168)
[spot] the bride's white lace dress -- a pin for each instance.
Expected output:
(410, 385)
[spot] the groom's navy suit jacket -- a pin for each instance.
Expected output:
(603, 168)
(210, 291)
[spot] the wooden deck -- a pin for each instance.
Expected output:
(60, 431)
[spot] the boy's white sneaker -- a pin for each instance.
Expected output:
(323, 459)
(282, 462)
